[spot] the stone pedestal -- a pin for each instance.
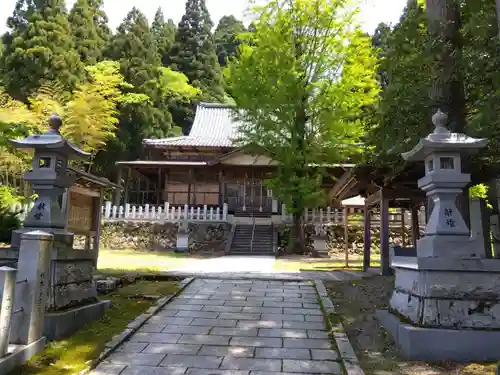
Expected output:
(184, 242)
(446, 300)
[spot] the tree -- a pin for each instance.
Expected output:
(89, 30)
(39, 49)
(226, 38)
(90, 114)
(163, 34)
(300, 92)
(193, 52)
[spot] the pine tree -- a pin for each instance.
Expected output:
(226, 38)
(89, 30)
(39, 48)
(163, 34)
(193, 52)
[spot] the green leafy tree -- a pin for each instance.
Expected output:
(193, 52)
(300, 92)
(89, 30)
(163, 34)
(39, 48)
(226, 38)
(134, 47)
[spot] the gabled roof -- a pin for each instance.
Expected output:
(213, 126)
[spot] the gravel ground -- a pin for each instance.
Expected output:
(356, 302)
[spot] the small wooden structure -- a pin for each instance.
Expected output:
(82, 204)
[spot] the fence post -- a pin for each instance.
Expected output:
(120, 212)
(140, 216)
(321, 216)
(160, 213)
(328, 214)
(198, 217)
(107, 210)
(146, 211)
(179, 213)
(115, 212)
(172, 214)
(224, 211)
(133, 212)
(166, 209)
(211, 213)
(127, 210)
(217, 213)
(153, 213)
(205, 212)
(9, 284)
(191, 213)
(186, 208)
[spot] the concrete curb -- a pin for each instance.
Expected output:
(347, 354)
(134, 325)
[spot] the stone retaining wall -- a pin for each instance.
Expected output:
(156, 236)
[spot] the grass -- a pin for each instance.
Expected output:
(70, 356)
(299, 263)
(119, 261)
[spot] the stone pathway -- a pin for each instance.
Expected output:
(254, 267)
(231, 327)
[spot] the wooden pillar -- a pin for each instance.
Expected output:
(165, 191)
(346, 235)
(98, 201)
(127, 186)
(118, 192)
(190, 186)
(415, 226)
(403, 228)
(222, 189)
(158, 188)
(367, 240)
(385, 268)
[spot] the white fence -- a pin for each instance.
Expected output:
(163, 213)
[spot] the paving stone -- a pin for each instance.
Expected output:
(214, 322)
(289, 310)
(243, 303)
(212, 302)
(197, 314)
(204, 339)
(275, 373)
(170, 320)
(201, 371)
(281, 332)
(199, 330)
(136, 358)
(172, 349)
(165, 313)
(132, 347)
(324, 355)
(248, 324)
(198, 361)
(167, 338)
(178, 306)
(310, 305)
(224, 308)
(251, 364)
(282, 304)
(282, 353)
(287, 295)
(235, 351)
(237, 331)
(107, 369)
(320, 367)
(240, 316)
(283, 317)
(148, 370)
(304, 325)
(262, 310)
(312, 334)
(307, 343)
(152, 327)
(257, 341)
(315, 318)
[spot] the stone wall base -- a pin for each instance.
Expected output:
(435, 344)
(19, 355)
(58, 325)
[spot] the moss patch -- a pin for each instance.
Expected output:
(70, 356)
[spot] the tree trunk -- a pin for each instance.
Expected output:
(299, 236)
(447, 91)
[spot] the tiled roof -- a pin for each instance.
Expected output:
(213, 126)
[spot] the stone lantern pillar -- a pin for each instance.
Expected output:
(49, 177)
(71, 300)
(446, 299)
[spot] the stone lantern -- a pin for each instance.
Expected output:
(446, 299)
(49, 175)
(446, 233)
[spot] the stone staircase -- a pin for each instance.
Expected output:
(253, 211)
(252, 240)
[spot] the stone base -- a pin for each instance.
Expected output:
(58, 325)
(434, 344)
(19, 355)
